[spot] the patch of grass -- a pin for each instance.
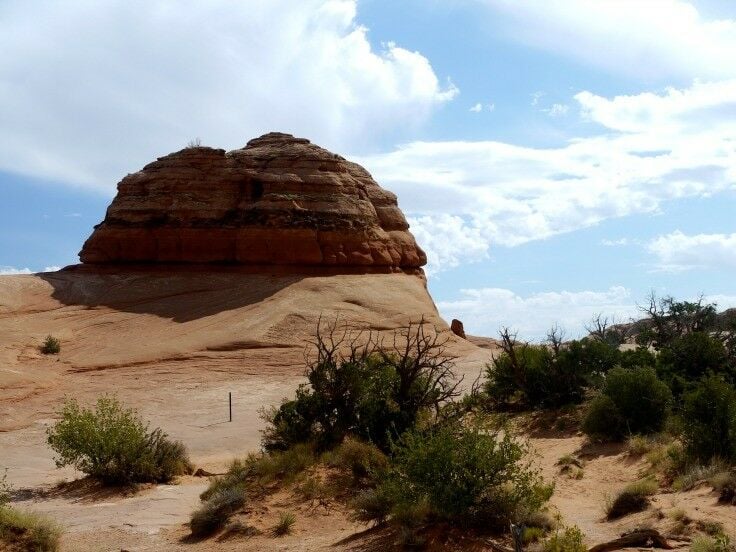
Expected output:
(697, 473)
(216, 511)
(311, 488)
(639, 445)
(28, 530)
(712, 528)
(263, 469)
(566, 539)
(51, 346)
(633, 498)
(720, 543)
(532, 534)
(239, 529)
(285, 524)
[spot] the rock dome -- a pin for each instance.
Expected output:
(280, 200)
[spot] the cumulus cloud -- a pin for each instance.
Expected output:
(615, 243)
(651, 39)
(484, 311)
(447, 240)
(650, 149)
(678, 251)
(91, 90)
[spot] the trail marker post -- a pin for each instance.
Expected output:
(230, 404)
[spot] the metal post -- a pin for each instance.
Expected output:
(230, 403)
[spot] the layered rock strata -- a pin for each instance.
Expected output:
(279, 200)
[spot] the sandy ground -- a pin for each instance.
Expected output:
(173, 345)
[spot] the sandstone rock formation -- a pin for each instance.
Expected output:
(457, 328)
(279, 200)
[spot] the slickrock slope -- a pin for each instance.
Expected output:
(278, 201)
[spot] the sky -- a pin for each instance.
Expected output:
(556, 160)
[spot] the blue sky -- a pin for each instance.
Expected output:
(556, 159)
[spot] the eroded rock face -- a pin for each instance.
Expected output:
(278, 201)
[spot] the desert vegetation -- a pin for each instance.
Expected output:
(51, 345)
(664, 383)
(381, 428)
(112, 444)
(22, 530)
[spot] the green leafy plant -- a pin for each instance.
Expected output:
(463, 475)
(112, 444)
(633, 401)
(710, 414)
(51, 346)
(565, 539)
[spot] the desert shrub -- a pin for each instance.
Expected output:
(112, 444)
(284, 524)
(688, 358)
(567, 539)
(641, 357)
(696, 473)
(547, 376)
(462, 475)
(372, 505)
(23, 530)
(633, 498)
(720, 543)
(372, 392)
(709, 414)
(261, 469)
(603, 419)
(51, 346)
(216, 511)
(363, 460)
(639, 403)
(511, 375)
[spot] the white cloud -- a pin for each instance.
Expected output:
(536, 96)
(447, 240)
(12, 271)
(652, 148)
(651, 39)
(484, 311)
(615, 243)
(557, 110)
(92, 90)
(678, 251)
(477, 108)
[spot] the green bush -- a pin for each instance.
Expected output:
(216, 511)
(633, 401)
(462, 475)
(688, 358)
(372, 392)
(568, 539)
(363, 460)
(641, 357)
(112, 444)
(51, 346)
(720, 543)
(603, 419)
(541, 376)
(709, 415)
(372, 505)
(22, 530)
(633, 498)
